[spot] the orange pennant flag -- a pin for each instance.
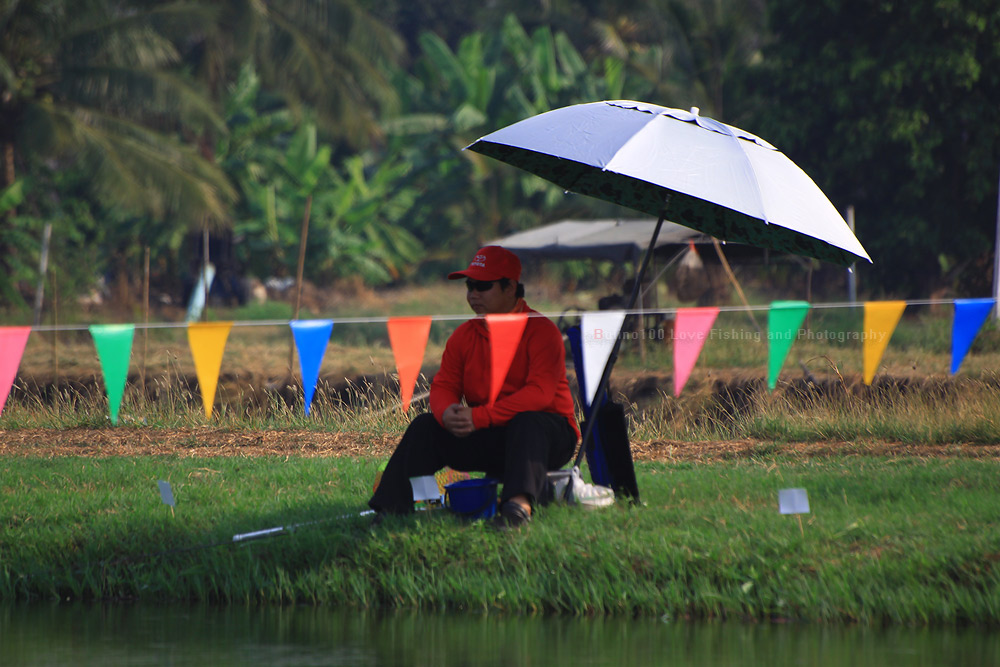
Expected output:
(505, 336)
(408, 338)
(208, 341)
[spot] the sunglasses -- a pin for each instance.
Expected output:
(480, 285)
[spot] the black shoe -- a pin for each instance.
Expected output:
(512, 515)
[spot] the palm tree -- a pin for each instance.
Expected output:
(90, 83)
(322, 55)
(94, 85)
(320, 58)
(691, 50)
(90, 86)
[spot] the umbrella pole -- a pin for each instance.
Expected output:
(613, 357)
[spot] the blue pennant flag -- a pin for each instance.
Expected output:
(311, 338)
(969, 317)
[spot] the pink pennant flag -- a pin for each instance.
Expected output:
(408, 338)
(505, 335)
(691, 328)
(12, 342)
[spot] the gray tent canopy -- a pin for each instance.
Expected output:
(616, 240)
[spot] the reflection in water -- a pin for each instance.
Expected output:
(122, 634)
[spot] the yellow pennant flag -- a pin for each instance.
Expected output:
(208, 342)
(881, 318)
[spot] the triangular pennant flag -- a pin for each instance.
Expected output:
(505, 335)
(881, 318)
(311, 338)
(208, 342)
(783, 322)
(598, 333)
(114, 347)
(969, 317)
(691, 328)
(12, 342)
(408, 339)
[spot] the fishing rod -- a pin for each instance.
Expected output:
(237, 538)
(284, 530)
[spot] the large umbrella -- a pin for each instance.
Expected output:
(676, 164)
(688, 168)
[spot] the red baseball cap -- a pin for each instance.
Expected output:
(491, 263)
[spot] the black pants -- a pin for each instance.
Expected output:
(519, 455)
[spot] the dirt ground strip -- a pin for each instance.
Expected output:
(208, 442)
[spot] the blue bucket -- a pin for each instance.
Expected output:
(472, 498)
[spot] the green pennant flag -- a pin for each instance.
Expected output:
(114, 347)
(783, 322)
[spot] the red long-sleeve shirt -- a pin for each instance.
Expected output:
(536, 380)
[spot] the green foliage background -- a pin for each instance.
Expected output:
(135, 125)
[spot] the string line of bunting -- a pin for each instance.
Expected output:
(408, 338)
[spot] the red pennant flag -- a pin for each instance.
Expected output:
(505, 336)
(408, 338)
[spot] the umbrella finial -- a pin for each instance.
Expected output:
(695, 110)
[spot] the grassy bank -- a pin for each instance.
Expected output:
(888, 540)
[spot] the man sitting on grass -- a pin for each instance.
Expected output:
(529, 430)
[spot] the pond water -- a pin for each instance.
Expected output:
(123, 634)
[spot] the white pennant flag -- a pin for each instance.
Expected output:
(598, 332)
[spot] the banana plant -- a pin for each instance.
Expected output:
(281, 167)
(363, 222)
(454, 96)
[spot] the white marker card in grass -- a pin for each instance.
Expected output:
(166, 493)
(793, 501)
(425, 488)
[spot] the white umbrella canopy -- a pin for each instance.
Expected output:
(687, 168)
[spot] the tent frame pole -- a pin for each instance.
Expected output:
(602, 386)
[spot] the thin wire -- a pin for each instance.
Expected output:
(452, 318)
(246, 323)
